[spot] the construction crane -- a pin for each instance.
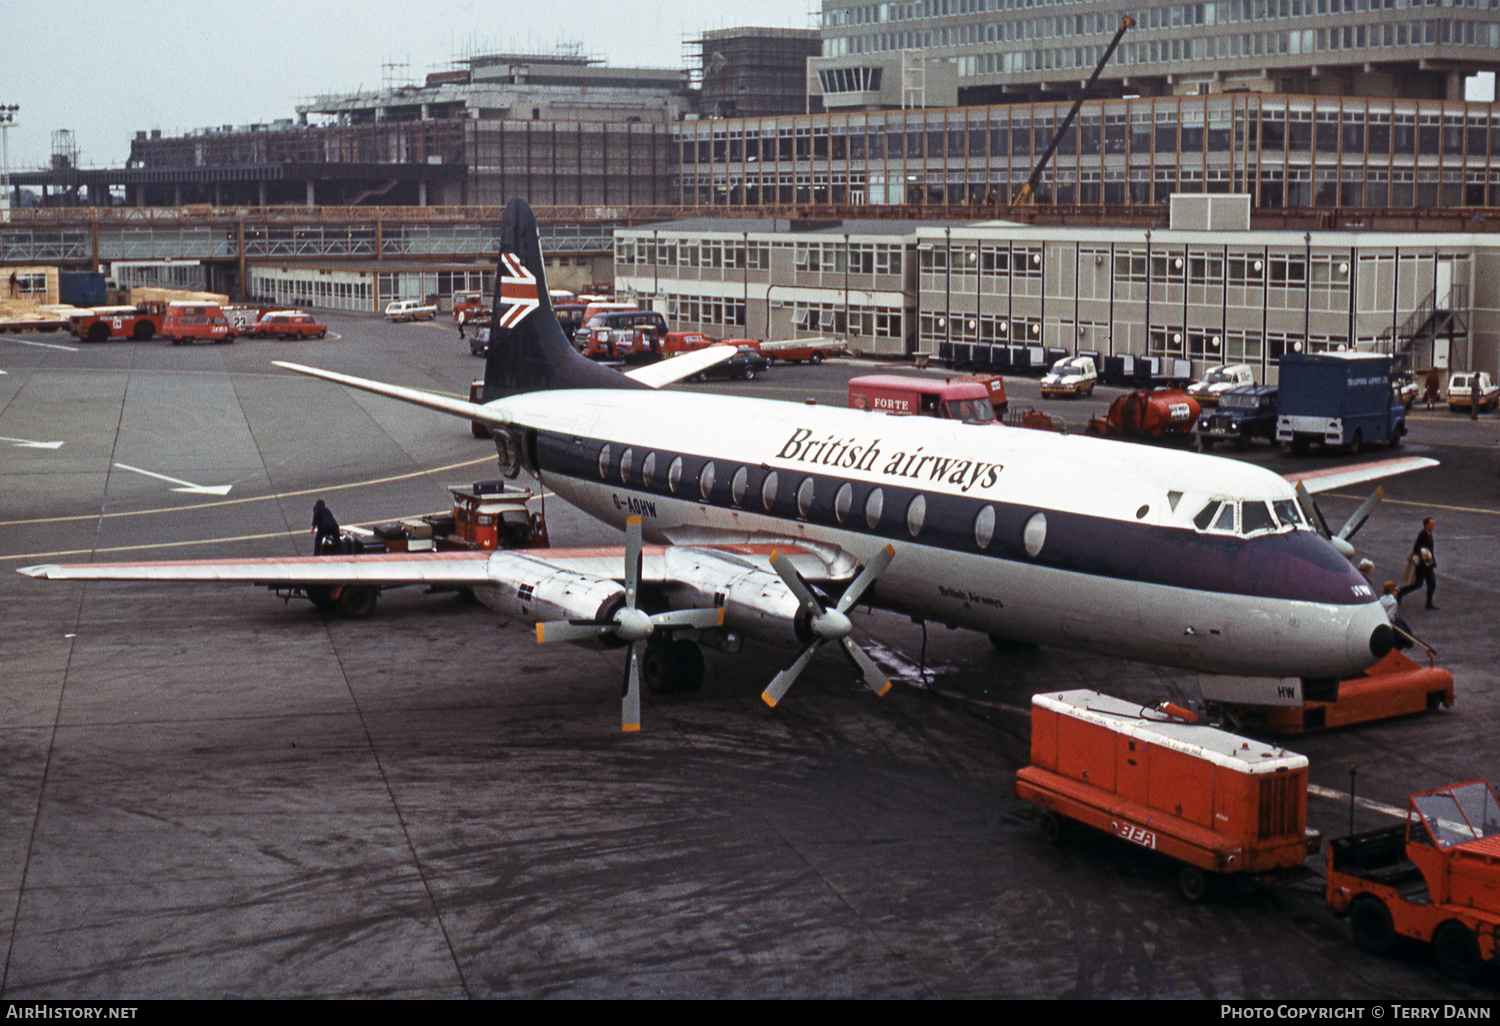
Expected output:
(1024, 196)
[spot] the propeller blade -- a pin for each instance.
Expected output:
(572, 630)
(873, 569)
(875, 678)
(794, 582)
(700, 618)
(1355, 522)
(784, 679)
(632, 559)
(630, 705)
(1311, 511)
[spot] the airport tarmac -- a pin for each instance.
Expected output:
(206, 793)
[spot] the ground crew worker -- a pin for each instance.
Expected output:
(325, 529)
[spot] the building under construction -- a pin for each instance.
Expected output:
(754, 71)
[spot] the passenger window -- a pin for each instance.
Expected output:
(674, 474)
(805, 496)
(874, 505)
(842, 501)
(627, 460)
(1034, 534)
(648, 469)
(916, 513)
(706, 480)
(984, 527)
(768, 491)
(604, 462)
(738, 485)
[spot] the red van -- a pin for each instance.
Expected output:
(287, 324)
(970, 401)
(193, 322)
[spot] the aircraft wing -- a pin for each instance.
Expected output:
(665, 372)
(453, 569)
(1330, 478)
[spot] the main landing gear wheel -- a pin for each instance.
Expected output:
(357, 601)
(672, 667)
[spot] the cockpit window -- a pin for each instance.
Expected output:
(1205, 516)
(1289, 513)
(1224, 522)
(1255, 517)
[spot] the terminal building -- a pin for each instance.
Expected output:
(1206, 288)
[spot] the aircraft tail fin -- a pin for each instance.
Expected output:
(528, 350)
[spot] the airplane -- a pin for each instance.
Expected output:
(780, 518)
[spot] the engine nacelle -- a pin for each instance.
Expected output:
(525, 589)
(756, 603)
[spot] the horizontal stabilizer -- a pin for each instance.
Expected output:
(679, 368)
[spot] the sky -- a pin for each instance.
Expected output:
(107, 70)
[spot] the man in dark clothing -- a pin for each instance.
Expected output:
(1425, 563)
(325, 529)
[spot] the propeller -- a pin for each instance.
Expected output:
(1340, 540)
(828, 624)
(630, 625)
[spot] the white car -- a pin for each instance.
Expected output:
(1220, 379)
(1460, 391)
(1075, 375)
(410, 310)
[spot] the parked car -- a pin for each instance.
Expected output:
(1075, 375)
(479, 342)
(287, 324)
(1460, 392)
(1404, 387)
(1219, 379)
(1244, 413)
(410, 310)
(745, 363)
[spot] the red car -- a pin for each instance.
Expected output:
(286, 324)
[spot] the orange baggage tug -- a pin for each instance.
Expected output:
(1218, 803)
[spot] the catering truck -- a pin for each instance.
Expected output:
(1337, 399)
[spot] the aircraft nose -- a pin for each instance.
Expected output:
(1370, 636)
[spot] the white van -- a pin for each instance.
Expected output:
(410, 310)
(1219, 379)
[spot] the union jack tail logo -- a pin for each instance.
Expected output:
(518, 292)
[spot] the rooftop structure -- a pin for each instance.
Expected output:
(1042, 49)
(542, 87)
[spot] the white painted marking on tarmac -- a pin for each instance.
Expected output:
(42, 345)
(26, 443)
(1364, 803)
(187, 486)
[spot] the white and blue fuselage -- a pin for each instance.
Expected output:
(1191, 561)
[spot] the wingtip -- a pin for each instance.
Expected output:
(766, 698)
(41, 570)
(539, 638)
(630, 728)
(880, 691)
